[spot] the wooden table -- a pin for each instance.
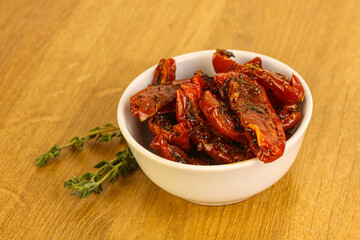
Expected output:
(64, 65)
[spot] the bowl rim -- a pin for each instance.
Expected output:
(124, 99)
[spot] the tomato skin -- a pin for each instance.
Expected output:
(159, 97)
(188, 97)
(279, 88)
(194, 90)
(289, 117)
(162, 123)
(250, 103)
(188, 113)
(290, 122)
(171, 152)
(165, 72)
(173, 132)
(147, 102)
(223, 63)
(257, 62)
(181, 137)
(218, 115)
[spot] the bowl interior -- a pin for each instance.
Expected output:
(137, 133)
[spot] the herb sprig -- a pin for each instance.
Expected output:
(92, 182)
(101, 134)
(123, 162)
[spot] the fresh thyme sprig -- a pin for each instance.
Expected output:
(101, 134)
(123, 162)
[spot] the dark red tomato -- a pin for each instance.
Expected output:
(174, 133)
(162, 124)
(181, 106)
(218, 114)
(222, 62)
(165, 72)
(220, 150)
(257, 62)
(194, 90)
(166, 150)
(189, 95)
(181, 137)
(290, 122)
(149, 101)
(289, 117)
(189, 114)
(222, 83)
(201, 160)
(174, 153)
(251, 105)
(279, 88)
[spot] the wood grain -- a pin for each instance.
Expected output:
(64, 65)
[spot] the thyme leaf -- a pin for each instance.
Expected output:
(105, 133)
(92, 182)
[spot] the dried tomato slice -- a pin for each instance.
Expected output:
(172, 152)
(279, 88)
(150, 100)
(166, 150)
(220, 116)
(167, 125)
(289, 116)
(165, 72)
(257, 62)
(250, 103)
(189, 114)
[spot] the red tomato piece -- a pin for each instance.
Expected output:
(166, 150)
(257, 62)
(279, 88)
(171, 152)
(174, 133)
(152, 99)
(188, 113)
(165, 72)
(218, 114)
(289, 117)
(250, 103)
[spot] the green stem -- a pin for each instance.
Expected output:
(109, 129)
(117, 166)
(78, 142)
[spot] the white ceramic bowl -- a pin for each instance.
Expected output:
(209, 185)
